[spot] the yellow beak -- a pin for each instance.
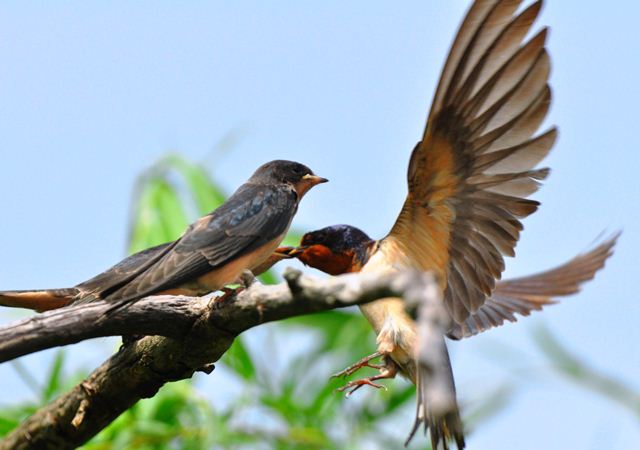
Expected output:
(314, 179)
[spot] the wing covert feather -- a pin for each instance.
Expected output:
(252, 217)
(470, 176)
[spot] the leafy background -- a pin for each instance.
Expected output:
(93, 92)
(286, 401)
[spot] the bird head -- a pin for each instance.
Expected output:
(289, 172)
(334, 250)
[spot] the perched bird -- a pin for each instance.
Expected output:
(468, 179)
(214, 251)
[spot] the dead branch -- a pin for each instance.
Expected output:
(183, 335)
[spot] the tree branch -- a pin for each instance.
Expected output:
(183, 335)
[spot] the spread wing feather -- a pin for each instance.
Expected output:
(524, 295)
(470, 176)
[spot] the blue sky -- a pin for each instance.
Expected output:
(92, 93)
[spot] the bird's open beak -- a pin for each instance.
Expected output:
(314, 179)
(289, 252)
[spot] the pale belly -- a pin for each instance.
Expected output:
(232, 271)
(228, 273)
(394, 328)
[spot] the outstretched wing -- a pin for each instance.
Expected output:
(470, 176)
(532, 293)
(252, 217)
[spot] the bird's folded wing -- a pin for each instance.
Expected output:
(123, 272)
(471, 173)
(251, 218)
(532, 293)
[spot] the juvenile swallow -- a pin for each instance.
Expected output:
(468, 179)
(214, 251)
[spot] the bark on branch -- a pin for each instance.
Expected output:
(183, 335)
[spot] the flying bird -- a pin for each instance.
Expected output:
(340, 249)
(241, 234)
(469, 179)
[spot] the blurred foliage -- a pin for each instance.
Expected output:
(284, 401)
(55, 382)
(167, 198)
(304, 410)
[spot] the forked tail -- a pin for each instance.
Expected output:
(40, 300)
(443, 421)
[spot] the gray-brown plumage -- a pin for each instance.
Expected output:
(48, 299)
(239, 235)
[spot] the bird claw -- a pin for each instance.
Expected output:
(227, 294)
(354, 385)
(388, 369)
(364, 362)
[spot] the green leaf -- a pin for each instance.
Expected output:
(53, 385)
(159, 215)
(340, 330)
(269, 277)
(399, 397)
(206, 194)
(292, 239)
(308, 437)
(7, 424)
(238, 359)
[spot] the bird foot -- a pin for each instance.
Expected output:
(354, 385)
(364, 362)
(387, 371)
(227, 294)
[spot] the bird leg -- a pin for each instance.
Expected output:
(387, 370)
(364, 362)
(245, 280)
(228, 293)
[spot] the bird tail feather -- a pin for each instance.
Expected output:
(40, 300)
(442, 417)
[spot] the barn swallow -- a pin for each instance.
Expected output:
(469, 179)
(241, 234)
(340, 249)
